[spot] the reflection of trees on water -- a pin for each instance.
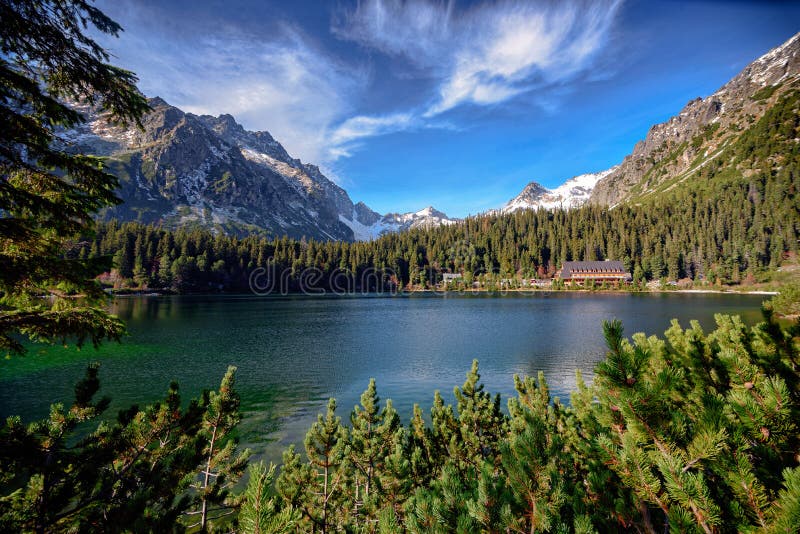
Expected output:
(149, 308)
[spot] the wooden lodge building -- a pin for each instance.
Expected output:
(582, 273)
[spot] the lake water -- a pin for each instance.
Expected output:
(293, 353)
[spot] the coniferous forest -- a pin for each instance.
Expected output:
(690, 432)
(719, 228)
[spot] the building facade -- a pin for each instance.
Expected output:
(451, 277)
(590, 273)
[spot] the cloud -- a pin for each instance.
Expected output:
(348, 136)
(281, 82)
(487, 54)
(271, 75)
(415, 29)
(345, 138)
(295, 91)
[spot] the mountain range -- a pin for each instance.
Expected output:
(672, 151)
(183, 169)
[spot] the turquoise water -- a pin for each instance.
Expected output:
(293, 353)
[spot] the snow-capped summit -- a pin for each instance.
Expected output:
(184, 170)
(425, 216)
(571, 194)
(367, 224)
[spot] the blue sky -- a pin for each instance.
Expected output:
(452, 104)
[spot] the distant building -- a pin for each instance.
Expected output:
(581, 273)
(450, 277)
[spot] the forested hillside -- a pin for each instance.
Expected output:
(737, 218)
(700, 134)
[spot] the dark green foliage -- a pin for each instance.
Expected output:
(695, 432)
(374, 438)
(764, 93)
(261, 512)
(222, 466)
(787, 301)
(128, 474)
(539, 471)
(318, 488)
(48, 194)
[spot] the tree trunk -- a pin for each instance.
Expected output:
(204, 510)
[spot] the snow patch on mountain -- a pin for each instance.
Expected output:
(296, 178)
(367, 226)
(571, 194)
(764, 69)
(364, 232)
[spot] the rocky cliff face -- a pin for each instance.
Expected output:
(671, 151)
(183, 169)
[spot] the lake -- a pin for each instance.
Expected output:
(293, 353)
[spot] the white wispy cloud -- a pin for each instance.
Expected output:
(415, 29)
(295, 91)
(487, 54)
(281, 82)
(349, 135)
(346, 136)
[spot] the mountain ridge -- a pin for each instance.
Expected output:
(571, 194)
(184, 169)
(671, 151)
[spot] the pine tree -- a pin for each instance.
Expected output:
(538, 469)
(261, 512)
(481, 424)
(39, 453)
(131, 474)
(48, 195)
(222, 466)
(698, 445)
(373, 439)
(318, 488)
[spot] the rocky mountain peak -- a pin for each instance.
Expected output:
(698, 133)
(430, 211)
(365, 215)
(533, 191)
(183, 169)
(157, 102)
(775, 66)
(224, 125)
(571, 194)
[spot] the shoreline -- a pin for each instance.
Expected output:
(166, 292)
(613, 291)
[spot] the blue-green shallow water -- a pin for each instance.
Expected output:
(293, 353)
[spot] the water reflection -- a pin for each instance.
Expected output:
(294, 353)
